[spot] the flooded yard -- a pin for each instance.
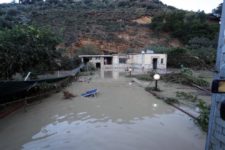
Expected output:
(122, 116)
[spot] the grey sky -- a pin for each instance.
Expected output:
(195, 5)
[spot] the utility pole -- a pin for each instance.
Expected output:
(216, 131)
(221, 39)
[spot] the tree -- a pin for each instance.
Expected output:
(185, 25)
(29, 1)
(27, 48)
(218, 11)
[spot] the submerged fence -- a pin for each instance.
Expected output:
(11, 89)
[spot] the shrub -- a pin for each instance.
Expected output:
(185, 25)
(203, 119)
(88, 50)
(27, 48)
(181, 56)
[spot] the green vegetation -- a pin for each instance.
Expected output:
(197, 34)
(75, 19)
(27, 48)
(218, 10)
(198, 54)
(185, 76)
(186, 96)
(171, 100)
(88, 50)
(182, 57)
(152, 89)
(185, 79)
(203, 119)
(185, 25)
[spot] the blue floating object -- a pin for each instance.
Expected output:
(90, 93)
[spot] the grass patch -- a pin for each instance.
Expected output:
(170, 100)
(186, 96)
(181, 78)
(152, 89)
(185, 79)
(203, 119)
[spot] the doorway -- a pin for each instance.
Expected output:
(98, 65)
(154, 62)
(86, 60)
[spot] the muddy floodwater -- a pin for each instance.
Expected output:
(123, 116)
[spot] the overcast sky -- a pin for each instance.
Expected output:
(195, 5)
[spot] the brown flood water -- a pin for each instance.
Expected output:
(122, 117)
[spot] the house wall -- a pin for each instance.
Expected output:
(95, 60)
(117, 64)
(161, 60)
(146, 61)
(138, 61)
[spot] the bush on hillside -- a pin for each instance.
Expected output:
(185, 25)
(27, 48)
(181, 56)
(88, 50)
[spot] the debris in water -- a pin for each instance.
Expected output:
(68, 95)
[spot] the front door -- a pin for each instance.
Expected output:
(154, 62)
(98, 65)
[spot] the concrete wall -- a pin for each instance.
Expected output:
(138, 61)
(146, 61)
(95, 60)
(216, 133)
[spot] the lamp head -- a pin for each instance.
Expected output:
(156, 76)
(130, 69)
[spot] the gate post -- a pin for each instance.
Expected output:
(216, 131)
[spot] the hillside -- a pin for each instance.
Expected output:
(114, 26)
(117, 28)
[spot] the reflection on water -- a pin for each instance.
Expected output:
(145, 133)
(122, 116)
(112, 74)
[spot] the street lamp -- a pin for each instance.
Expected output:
(130, 70)
(156, 77)
(142, 65)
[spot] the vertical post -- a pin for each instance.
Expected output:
(213, 142)
(221, 39)
(143, 61)
(156, 85)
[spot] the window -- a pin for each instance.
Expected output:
(162, 61)
(122, 60)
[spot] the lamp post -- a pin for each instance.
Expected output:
(142, 66)
(130, 70)
(156, 77)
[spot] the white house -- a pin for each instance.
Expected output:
(144, 61)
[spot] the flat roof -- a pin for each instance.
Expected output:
(95, 55)
(120, 55)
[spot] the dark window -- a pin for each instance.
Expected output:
(122, 60)
(162, 61)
